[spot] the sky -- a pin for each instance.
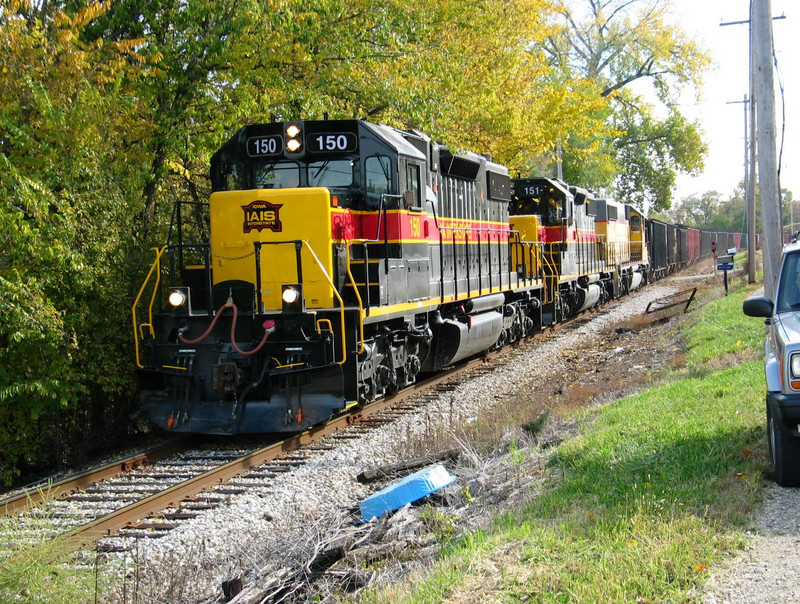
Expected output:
(719, 113)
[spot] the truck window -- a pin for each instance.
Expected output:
(789, 287)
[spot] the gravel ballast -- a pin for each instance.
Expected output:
(269, 540)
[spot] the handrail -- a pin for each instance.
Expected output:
(538, 255)
(156, 266)
(358, 295)
(554, 276)
(335, 293)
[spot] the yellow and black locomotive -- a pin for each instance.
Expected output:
(343, 259)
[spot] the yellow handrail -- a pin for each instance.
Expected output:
(320, 322)
(554, 276)
(338, 297)
(137, 328)
(358, 296)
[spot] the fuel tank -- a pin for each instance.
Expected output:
(454, 340)
(587, 297)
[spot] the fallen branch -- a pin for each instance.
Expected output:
(392, 470)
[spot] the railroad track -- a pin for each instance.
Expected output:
(150, 493)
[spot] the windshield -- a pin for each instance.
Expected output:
(789, 286)
(275, 175)
(330, 173)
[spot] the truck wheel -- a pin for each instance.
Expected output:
(784, 450)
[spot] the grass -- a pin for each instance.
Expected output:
(656, 489)
(40, 569)
(723, 333)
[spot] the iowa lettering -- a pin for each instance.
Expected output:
(259, 215)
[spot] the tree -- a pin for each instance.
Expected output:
(472, 75)
(68, 151)
(616, 43)
(697, 211)
(652, 151)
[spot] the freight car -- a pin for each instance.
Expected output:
(338, 260)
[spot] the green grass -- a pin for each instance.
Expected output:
(657, 488)
(41, 570)
(723, 329)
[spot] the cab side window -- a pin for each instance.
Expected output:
(413, 184)
(789, 288)
(378, 171)
(555, 210)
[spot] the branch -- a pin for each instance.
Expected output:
(648, 139)
(618, 9)
(643, 71)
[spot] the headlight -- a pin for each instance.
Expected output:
(794, 365)
(294, 141)
(176, 298)
(290, 295)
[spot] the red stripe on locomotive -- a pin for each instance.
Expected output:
(406, 226)
(555, 234)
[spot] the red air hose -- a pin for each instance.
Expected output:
(268, 325)
(228, 304)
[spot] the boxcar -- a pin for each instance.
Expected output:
(658, 242)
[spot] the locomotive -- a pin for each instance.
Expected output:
(338, 260)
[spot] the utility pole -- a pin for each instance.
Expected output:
(761, 22)
(750, 190)
(749, 179)
(750, 174)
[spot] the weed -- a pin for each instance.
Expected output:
(535, 426)
(442, 525)
(35, 567)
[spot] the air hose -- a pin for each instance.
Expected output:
(268, 325)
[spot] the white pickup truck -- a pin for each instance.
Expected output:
(782, 367)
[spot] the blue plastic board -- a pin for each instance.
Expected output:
(409, 489)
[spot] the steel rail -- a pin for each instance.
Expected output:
(36, 494)
(86, 535)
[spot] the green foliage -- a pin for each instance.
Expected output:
(62, 218)
(612, 44)
(711, 211)
(653, 151)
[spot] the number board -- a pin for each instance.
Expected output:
(332, 142)
(260, 146)
(530, 191)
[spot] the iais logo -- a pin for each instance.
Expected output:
(259, 215)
